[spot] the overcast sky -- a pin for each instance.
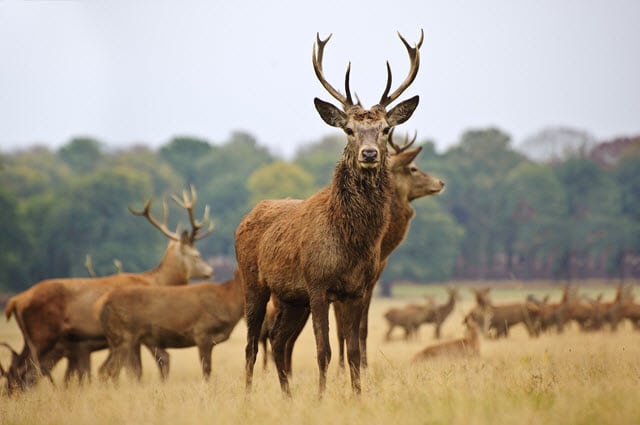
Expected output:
(145, 71)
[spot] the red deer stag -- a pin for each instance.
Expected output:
(309, 253)
(200, 314)
(56, 315)
(409, 183)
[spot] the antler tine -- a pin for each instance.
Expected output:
(407, 143)
(188, 202)
(146, 212)
(316, 57)
(414, 57)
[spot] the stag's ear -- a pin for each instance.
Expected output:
(330, 114)
(403, 111)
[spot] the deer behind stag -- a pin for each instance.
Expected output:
(309, 253)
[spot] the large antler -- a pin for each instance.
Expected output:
(162, 226)
(318, 51)
(188, 202)
(414, 57)
(407, 143)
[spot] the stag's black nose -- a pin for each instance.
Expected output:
(369, 155)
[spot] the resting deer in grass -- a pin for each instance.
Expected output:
(199, 314)
(468, 346)
(56, 315)
(309, 253)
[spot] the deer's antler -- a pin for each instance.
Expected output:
(407, 143)
(318, 52)
(188, 202)
(414, 57)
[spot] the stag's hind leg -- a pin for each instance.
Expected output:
(320, 318)
(290, 321)
(255, 307)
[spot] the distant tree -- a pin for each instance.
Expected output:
(535, 219)
(557, 144)
(93, 219)
(14, 246)
(222, 183)
(477, 168)
(279, 180)
(82, 154)
(183, 154)
(429, 252)
(33, 172)
(320, 159)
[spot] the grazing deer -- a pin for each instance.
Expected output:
(309, 253)
(200, 314)
(469, 346)
(56, 317)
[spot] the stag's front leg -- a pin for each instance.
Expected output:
(364, 328)
(320, 318)
(352, 316)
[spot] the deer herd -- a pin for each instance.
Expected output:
(294, 259)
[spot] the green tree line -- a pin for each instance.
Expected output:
(503, 214)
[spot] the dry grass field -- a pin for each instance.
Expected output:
(573, 378)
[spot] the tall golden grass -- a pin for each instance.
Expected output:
(573, 378)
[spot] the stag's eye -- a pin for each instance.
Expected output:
(349, 131)
(413, 169)
(386, 130)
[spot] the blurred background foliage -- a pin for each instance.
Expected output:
(559, 206)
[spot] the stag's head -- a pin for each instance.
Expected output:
(184, 242)
(409, 180)
(367, 130)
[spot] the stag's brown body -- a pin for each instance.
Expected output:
(409, 183)
(56, 317)
(201, 314)
(469, 346)
(325, 248)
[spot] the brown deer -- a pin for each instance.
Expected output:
(408, 318)
(500, 318)
(55, 315)
(309, 253)
(200, 314)
(441, 312)
(469, 346)
(409, 183)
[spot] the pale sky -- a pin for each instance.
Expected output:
(133, 71)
